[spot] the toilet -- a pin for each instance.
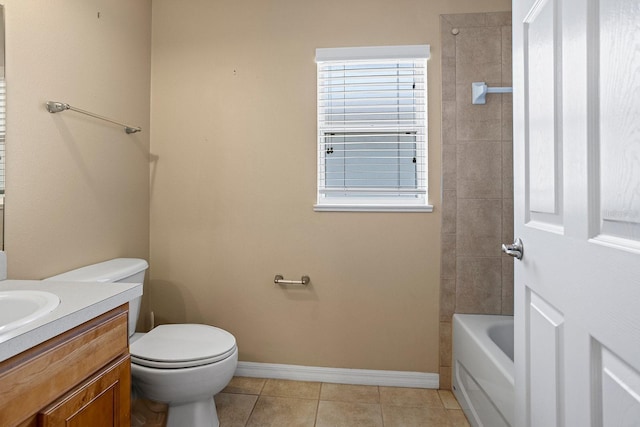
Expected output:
(183, 365)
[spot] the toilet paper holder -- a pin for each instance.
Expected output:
(280, 280)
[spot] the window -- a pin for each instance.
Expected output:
(372, 129)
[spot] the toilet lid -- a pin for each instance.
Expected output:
(182, 346)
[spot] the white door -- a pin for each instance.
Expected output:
(577, 211)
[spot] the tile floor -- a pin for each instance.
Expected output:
(251, 402)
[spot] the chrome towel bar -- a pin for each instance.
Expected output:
(57, 107)
(281, 281)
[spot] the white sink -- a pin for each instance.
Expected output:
(17, 308)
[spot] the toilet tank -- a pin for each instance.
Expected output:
(124, 270)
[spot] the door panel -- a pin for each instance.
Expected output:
(542, 139)
(541, 52)
(618, 111)
(620, 391)
(546, 340)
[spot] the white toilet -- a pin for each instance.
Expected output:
(182, 365)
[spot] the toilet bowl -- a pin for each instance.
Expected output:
(183, 365)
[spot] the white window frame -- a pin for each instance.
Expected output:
(412, 199)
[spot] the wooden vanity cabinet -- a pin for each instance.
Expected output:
(79, 378)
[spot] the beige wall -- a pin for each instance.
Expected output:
(77, 188)
(233, 184)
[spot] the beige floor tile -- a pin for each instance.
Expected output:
(285, 388)
(348, 414)
(448, 399)
(146, 413)
(457, 418)
(400, 396)
(403, 416)
(234, 409)
(283, 411)
(245, 385)
(350, 393)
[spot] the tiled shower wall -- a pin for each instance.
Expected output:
(477, 211)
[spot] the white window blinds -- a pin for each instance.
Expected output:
(372, 126)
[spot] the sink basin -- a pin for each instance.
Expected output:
(17, 308)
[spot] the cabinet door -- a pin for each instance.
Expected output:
(101, 401)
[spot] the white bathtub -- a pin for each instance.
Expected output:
(483, 368)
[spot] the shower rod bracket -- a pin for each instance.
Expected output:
(479, 91)
(58, 107)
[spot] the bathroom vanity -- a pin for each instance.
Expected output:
(70, 367)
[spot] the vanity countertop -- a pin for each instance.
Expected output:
(79, 302)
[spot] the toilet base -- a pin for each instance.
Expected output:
(194, 414)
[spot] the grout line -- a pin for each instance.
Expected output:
(252, 408)
(315, 422)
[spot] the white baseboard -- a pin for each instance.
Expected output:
(338, 375)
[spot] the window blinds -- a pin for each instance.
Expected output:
(372, 117)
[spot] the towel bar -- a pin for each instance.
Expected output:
(279, 279)
(57, 107)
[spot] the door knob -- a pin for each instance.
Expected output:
(515, 250)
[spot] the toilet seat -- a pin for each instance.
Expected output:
(182, 346)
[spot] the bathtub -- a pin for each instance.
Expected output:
(483, 368)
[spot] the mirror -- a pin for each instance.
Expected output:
(3, 126)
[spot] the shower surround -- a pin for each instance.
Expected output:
(477, 168)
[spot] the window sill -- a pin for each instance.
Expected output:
(372, 208)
